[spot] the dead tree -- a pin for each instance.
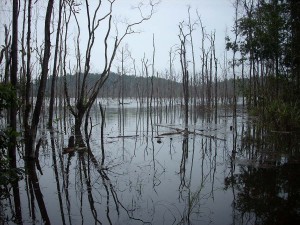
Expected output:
(12, 147)
(54, 73)
(213, 37)
(31, 130)
(86, 97)
(191, 28)
(203, 61)
(13, 80)
(185, 73)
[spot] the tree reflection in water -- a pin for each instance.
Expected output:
(33, 182)
(195, 196)
(161, 174)
(266, 186)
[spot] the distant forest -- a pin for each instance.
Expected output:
(131, 86)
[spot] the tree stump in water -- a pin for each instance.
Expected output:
(71, 145)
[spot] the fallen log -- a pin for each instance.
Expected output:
(124, 136)
(183, 131)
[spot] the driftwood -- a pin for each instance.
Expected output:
(73, 149)
(185, 132)
(124, 136)
(170, 133)
(209, 136)
(281, 132)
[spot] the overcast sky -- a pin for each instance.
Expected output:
(216, 15)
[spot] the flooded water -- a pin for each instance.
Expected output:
(157, 172)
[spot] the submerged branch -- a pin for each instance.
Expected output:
(185, 132)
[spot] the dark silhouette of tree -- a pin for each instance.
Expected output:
(185, 74)
(54, 73)
(13, 81)
(295, 27)
(31, 130)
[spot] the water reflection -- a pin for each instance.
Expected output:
(266, 195)
(144, 167)
(36, 193)
(266, 189)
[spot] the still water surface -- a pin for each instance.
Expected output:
(155, 173)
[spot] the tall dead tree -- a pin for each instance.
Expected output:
(191, 28)
(13, 81)
(12, 147)
(235, 49)
(54, 73)
(185, 73)
(31, 130)
(27, 105)
(203, 61)
(213, 37)
(86, 97)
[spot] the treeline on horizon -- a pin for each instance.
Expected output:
(131, 86)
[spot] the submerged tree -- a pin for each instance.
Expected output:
(185, 74)
(54, 72)
(86, 97)
(31, 129)
(21, 76)
(13, 81)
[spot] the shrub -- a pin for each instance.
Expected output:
(282, 115)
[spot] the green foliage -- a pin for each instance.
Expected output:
(280, 104)
(266, 44)
(8, 175)
(264, 29)
(281, 115)
(8, 96)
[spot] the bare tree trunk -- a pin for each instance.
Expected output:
(153, 72)
(23, 65)
(234, 62)
(13, 80)
(13, 110)
(102, 133)
(191, 29)
(51, 104)
(203, 62)
(216, 75)
(7, 56)
(210, 102)
(30, 136)
(185, 75)
(243, 79)
(28, 72)
(171, 78)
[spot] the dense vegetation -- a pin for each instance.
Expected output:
(7, 173)
(266, 48)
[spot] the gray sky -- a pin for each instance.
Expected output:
(216, 15)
